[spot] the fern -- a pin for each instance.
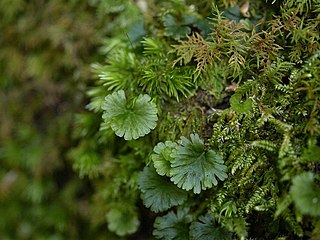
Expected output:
(205, 229)
(194, 168)
(130, 120)
(256, 197)
(263, 144)
(162, 157)
(173, 225)
(196, 47)
(240, 106)
(305, 194)
(248, 84)
(122, 221)
(159, 193)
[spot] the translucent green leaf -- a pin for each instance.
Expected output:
(240, 106)
(306, 194)
(161, 157)
(174, 29)
(130, 119)
(312, 153)
(195, 168)
(173, 226)
(122, 221)
(205, 229)
(158, 192)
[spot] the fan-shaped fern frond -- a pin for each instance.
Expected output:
(173, 225)
(195, 168)
(158, 192)
(122, 221)
(130, 119)
(239, 105)
(305, 193)
(162, 157)
(205, 229)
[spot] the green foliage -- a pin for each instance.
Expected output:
(46, 51)
(220, 102)
(241, 79)
(129, 119)
(194, 168)
(305, 193)
(122, 220)
(173, 226)
(162, 157)
(174, 29)
(238, 105)
(188, 164)
(159, 193)
(205, 229)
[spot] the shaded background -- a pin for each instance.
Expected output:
(46, 48)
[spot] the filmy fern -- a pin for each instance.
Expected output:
(122, 221)
(249, 88)
(206, 229)
(305, 194)
(158, 192)
(194, 168)
(173, 225)
(130, 120)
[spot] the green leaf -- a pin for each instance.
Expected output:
(122, 221)
(158, 192)
(161, 158)
(312, 153)
(174, 29)
(136, 32)
(195, 168)
(130, 119)
(205, 229)
(238, 105)
(173, 226)
(306, 194)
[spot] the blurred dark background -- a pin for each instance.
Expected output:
(46, 48)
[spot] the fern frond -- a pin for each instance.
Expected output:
(205, 229)
(291, 221)
(120, 71)
(194, 168)
(196, 47)
(173, 225)
(130, 120)
(264, 144)
(256, 197)
(123, 221)
(305, 193)
(283, 204)
(158, 192)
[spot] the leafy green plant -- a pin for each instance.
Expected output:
(159, 193)
(130, 120)
(221, 108)
(304, 192)
(173, 225)
(194, 168)
(206, 229)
